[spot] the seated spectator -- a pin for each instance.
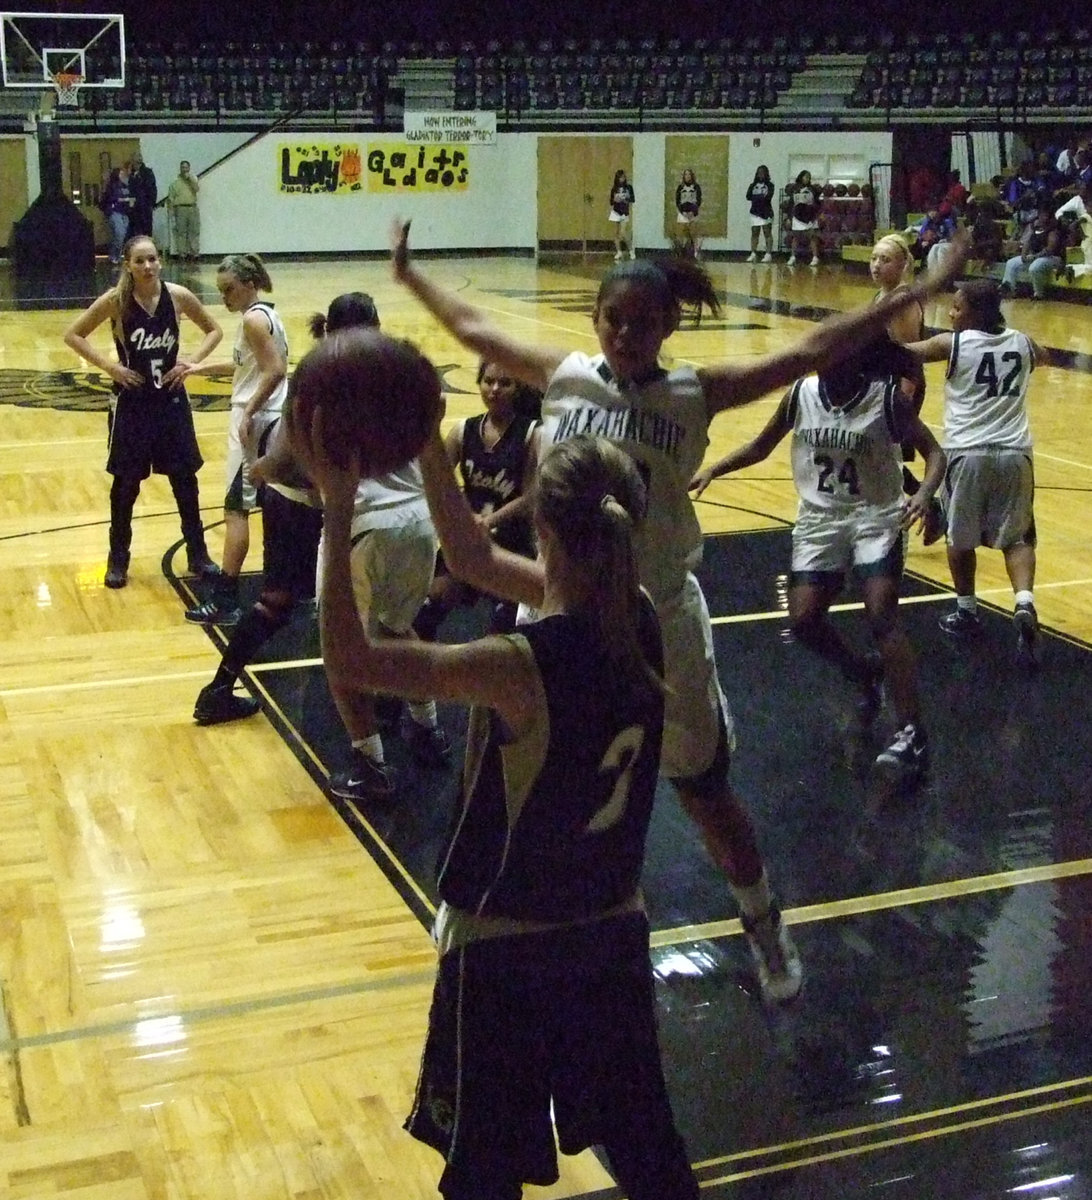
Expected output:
(1047, 178)
(1021, 195)
(1067, 160)
(934, 235)
(923, 187)
(1082, 161)
(1076, 224)
(986, 220)
(956, 194)
(1041, 255)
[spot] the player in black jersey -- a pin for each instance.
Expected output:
(494, 454)
(544, 999)
(151, 426)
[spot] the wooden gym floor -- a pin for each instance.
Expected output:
(214, 984)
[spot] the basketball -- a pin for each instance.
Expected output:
(379, 396)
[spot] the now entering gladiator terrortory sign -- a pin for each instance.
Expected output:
(461, 128)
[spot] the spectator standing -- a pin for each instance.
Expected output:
(622, 200)
(184, 213)
(804, 229)
(688, 208)
(117, 207)
(145, 193)
(760, 195)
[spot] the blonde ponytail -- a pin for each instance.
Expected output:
(592, 496)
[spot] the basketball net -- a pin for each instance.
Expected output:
(68, 86)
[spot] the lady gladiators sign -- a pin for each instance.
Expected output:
(338, 169)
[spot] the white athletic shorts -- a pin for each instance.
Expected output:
(760, 222)
(241, 495)
(695, 704)
(804, 226)
(827, 540)
(989, 497)
(685, 218)
(392, 572)
(615, 216)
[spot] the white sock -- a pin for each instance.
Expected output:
(423, 712)
(371, 746)
(967, 603)
(754, 900)
(1025, 598)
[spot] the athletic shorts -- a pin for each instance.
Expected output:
(562, 1020)
(695, 707)
(241, 494)
(290, 541)
(760, 222)
(147, 433)
(619, 217)
(867, 539)
(392, 571)
(989, 498)
(804, 226)
(686, 218)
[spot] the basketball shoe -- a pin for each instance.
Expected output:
(780, 971)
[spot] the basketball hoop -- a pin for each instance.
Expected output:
(68, 86)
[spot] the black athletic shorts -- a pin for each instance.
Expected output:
(151, 432)
(518, 1022)
(290, 540)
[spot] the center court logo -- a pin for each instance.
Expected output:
(90, 391)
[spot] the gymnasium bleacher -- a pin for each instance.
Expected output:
(859, 79)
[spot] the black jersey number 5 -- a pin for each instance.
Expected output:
(619, 760)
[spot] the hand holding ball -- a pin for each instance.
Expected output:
(379, 399)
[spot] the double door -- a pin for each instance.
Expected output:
(574, 180)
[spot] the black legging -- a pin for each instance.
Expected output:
(123, 497)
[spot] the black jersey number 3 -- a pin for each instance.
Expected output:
(619, 760)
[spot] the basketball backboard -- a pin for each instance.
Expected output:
(83, 49)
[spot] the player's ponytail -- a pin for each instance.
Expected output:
(674, 281)
(247, 268)
(591, 495)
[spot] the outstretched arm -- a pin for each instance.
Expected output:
(755, 451)
(188, 304)
(533, 365)
(938, 348)
(731, 385)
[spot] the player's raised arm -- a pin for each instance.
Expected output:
(729, 385)
(470, 325)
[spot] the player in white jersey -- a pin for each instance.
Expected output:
(663, 420)
(989, 491)
(392, 555)
(846, 425)
(258, 387)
